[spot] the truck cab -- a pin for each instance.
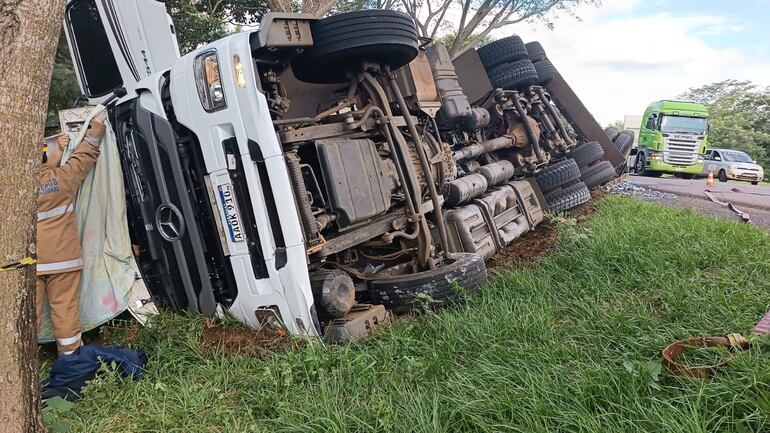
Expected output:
(672, 139)
(211, 219)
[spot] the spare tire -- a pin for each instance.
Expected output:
(514, 75)
(587, 153)
(568, 198)
(545, 71)
(502, 51)
(557, 175)
(598, 174)
(535, 51)
(611, 132)
(341, 43)
(403, 293)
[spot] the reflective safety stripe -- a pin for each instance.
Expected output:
(69, 340)
(58, 266)
(61, 210)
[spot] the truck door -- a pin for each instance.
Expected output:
(117, 43)
(647, 133)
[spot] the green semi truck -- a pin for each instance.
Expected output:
(672, 139)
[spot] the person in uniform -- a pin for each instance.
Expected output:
(59, 257)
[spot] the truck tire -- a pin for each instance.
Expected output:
(545, 71)
(722, 176)
(624, 142)
(342, 42)
(598, 174)
(535, 51)
(568, 198)
(587, 154)
(403, 293)
(640, 166)
(557, 175)
(611, 132)
(501, 51)
(514, 75)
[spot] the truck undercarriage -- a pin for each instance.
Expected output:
(380, 181)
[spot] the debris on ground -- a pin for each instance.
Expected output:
(630, 189)
(230, 340)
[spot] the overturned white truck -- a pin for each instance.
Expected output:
(312, 173)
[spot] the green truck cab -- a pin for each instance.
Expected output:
(672, 139)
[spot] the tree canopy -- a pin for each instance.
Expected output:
(201, 21)
(470, 22)
(739, 116)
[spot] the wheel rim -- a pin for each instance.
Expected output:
(639, 165)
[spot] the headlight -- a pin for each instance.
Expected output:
(208, 82)
(733, 167)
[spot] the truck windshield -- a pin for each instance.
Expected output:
(736, 156)
(683, 125)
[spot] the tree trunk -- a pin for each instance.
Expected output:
(28, 34)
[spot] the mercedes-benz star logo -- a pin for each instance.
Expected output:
(169, 221)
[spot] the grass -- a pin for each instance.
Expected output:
(570, 345)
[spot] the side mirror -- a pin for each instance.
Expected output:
(754, 161)
(717, 158)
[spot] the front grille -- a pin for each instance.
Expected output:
(189, 253)
(680, 151)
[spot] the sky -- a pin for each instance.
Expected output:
(623, 55)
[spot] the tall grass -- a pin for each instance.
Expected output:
(571, 345)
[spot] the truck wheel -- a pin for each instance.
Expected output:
(557, 175)
(502, 51)
(755, 182)
(403, 293)
(341, 43)
(598, 174)
(514, 75)
(535, 51)
(722, 176)
(568, 198)
(624, 142)
(587, 154)
(545, 71)
(639, 164)
(611, 132)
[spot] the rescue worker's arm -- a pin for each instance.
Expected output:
(72, 173)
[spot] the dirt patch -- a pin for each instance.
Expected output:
(528, 249)
(230, 340)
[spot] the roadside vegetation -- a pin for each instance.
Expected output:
(569, 344)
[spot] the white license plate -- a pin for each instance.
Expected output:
(230, 209)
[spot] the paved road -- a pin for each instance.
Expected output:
(748, 195)
(688, 194)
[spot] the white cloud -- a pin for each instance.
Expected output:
(618, 63)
